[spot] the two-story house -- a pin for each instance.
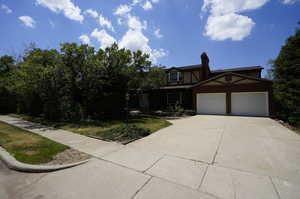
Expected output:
(235, 91)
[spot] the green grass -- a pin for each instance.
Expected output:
(28, 147)
(93, 127)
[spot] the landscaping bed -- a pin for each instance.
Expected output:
(289, 126)
(172, 112)
(113, 130)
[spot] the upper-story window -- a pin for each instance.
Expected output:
(174, 76)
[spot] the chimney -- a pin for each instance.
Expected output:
(205, 66)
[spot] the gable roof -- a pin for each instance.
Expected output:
(231, 73)
(237, 69)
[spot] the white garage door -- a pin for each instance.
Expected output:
(211, 103)
(252, 103)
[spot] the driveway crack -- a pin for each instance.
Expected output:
(219, 144)
(141, 187)
(274, 186)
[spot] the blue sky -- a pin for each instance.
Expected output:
(174, 32)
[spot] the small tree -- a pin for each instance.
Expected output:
(286, 74)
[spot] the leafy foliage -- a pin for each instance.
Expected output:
(124, 133)
(6, 63)
(286, 76)
(74, 83)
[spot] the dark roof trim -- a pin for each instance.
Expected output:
(197, 66)
(237, 69)
(235, 74)
(177, 87)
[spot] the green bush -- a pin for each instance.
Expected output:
(125, 132)
(190, 112)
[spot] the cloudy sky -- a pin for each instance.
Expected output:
(174, 32)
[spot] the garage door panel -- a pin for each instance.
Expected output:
(211, 103)
(250, 103)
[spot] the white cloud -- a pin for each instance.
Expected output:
(157, 33)
(135, 23)
(230, 26)
(85, 39)
(134, 39)
(105, 23)
(220, 7)
(66, 6)
(156, 54)
(6, 9)
(225, 20)
(147, 5)
(122, 10)
(155, 1)
(103, 38)
(28, 21)
(92, 13)
(289, 1)
(134, 2)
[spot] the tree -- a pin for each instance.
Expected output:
(7, 96)
(74, 83)
(155, 78)
(6, 63)
(286, 74)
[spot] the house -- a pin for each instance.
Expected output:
(234, 91)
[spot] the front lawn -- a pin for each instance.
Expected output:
(28, 147)
(102, 129)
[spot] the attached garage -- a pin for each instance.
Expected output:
(211, 103)
(250, 103)
(234, 94)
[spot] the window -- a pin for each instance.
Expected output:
(174, 98)
(173, 76)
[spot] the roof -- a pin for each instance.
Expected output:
(231, 73)
(186, 67)
(217, 71)
(176, 87)
(237, 69)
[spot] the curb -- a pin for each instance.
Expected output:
(13, 164)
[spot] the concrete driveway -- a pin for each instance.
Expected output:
(206, 157)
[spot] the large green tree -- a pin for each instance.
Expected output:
(75, 82)
(286, 76)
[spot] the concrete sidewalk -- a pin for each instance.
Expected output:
(203, 157)
(94, 147)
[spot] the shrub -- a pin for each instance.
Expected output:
(190, 112)
(125, 132)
